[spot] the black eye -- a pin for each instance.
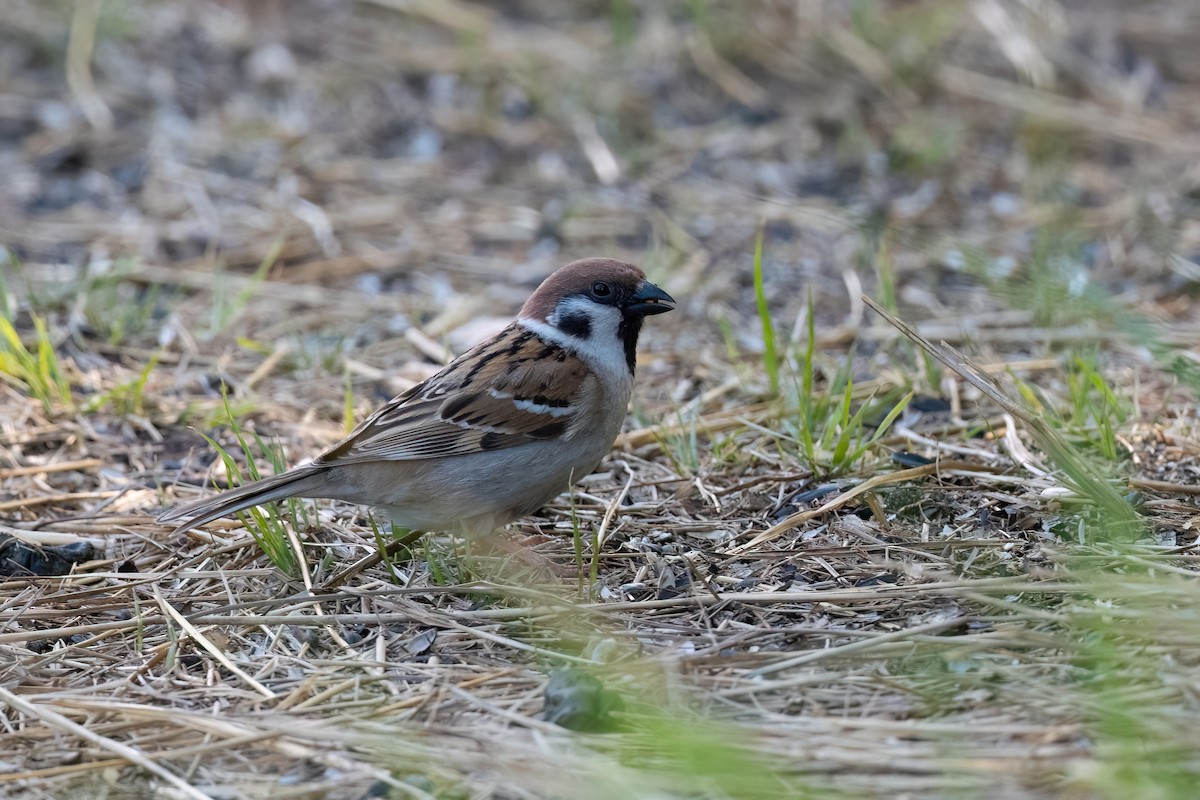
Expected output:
(601, 289)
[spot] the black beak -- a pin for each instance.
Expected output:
(649, 299)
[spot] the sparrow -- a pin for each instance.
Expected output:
(501, 430)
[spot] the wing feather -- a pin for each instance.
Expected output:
(513, 389)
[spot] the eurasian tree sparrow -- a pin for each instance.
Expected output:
(502, 429)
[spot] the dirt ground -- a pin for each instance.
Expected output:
(862, 575)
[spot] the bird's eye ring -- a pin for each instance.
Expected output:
(601, 289)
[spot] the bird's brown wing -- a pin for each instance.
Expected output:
(512, 389)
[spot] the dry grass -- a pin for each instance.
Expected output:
(312, 204)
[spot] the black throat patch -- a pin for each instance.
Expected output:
(627, 331)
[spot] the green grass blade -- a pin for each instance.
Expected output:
(770, 356)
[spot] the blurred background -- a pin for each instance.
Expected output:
(939, 152)
(312, 203)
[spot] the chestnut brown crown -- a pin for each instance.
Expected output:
(603, 280)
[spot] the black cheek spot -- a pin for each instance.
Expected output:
(577, 325)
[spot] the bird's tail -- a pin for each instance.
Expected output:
(293, 483)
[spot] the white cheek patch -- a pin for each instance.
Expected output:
(603, 350)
